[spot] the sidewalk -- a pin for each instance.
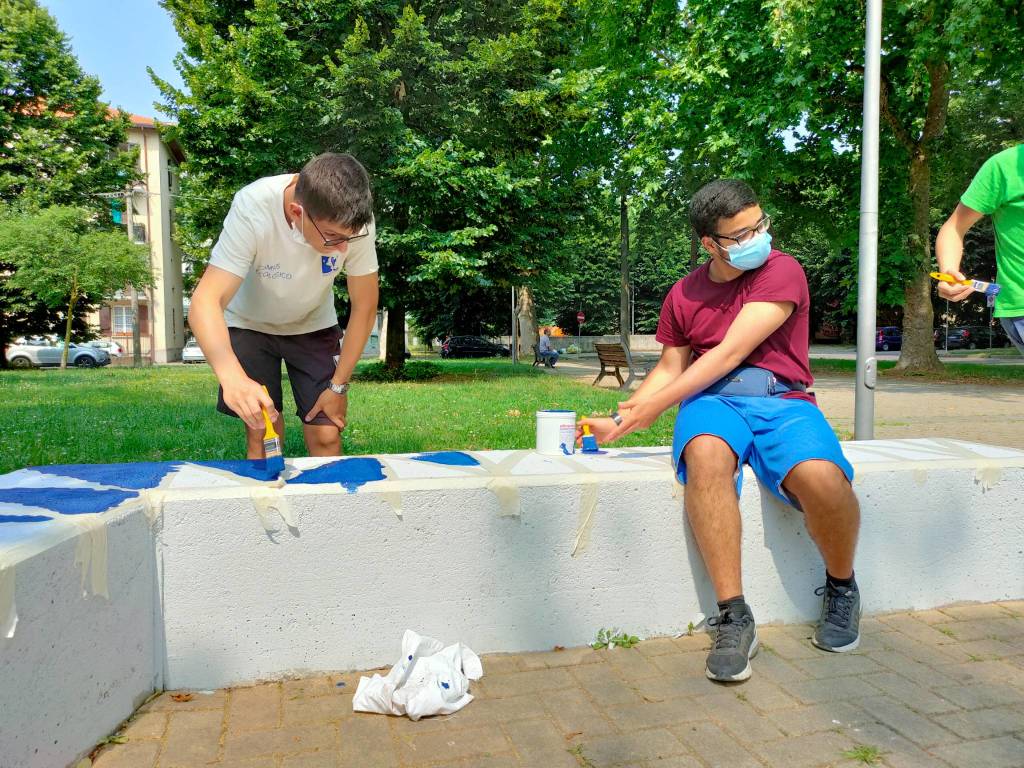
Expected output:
(931, 689)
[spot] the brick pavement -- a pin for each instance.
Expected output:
(928, 689)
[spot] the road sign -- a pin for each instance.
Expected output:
(580, 317)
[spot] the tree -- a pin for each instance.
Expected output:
(451, 108)
(59, 144)
(62, 259)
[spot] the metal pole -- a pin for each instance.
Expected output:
(867, 365)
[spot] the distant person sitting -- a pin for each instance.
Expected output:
(997, 191)
(545, 351)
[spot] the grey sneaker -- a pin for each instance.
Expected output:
(839, 625)
(735, 644)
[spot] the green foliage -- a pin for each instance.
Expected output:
(611, 638)
(418, 370)
(864, 754)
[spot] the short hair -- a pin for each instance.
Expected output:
(336, 187)
(719, 199)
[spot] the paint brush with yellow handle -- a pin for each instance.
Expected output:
(989, 289)
(271, 443)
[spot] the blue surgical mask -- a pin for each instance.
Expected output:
(751, 254)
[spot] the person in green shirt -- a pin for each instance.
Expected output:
(997, 191)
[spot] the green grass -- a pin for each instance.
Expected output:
(951, 373)
(162, 413)
(864, 754)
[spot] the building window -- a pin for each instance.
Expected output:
(122, 319)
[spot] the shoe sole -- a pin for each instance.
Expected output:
(838, 648)
(740, 676)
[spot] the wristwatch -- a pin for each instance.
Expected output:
(339, 389)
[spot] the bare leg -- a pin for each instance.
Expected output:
(831, 512)
(254, 439)
(322, 439)
(714, 511)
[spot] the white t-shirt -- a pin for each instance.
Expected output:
(286, 287)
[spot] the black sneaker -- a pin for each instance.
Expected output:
(735, 644)
(839, 625)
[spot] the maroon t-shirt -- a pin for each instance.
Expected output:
(698, 311)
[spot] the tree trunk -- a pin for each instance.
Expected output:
(394, 356)
(71, 316)
(918, 350)
(527, 319)
(624, 329)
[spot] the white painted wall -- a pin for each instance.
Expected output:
(78, 664)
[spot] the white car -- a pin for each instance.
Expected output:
(41, 353)
(110, 346)
(192, 352)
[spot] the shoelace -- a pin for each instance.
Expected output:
(729, 631)
(840, 604)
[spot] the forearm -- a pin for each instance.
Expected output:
(206, 318)
(949, 248)
(357, 332)
(698, 376)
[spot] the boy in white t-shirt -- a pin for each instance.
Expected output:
(267, 296)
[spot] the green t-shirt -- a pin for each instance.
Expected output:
(998, 190)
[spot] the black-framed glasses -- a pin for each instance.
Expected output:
(335, 240)
(744, 236)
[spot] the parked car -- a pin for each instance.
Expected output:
(109, 346)
(971, 337)
(192, 352)
(473, 346)
(44, 354)
(888, 337)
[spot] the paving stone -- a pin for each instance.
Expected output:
(633, 717)
(715, 747)
(838, 665)
(538, 743)
(494, 761)
(811, 751)
(483, 711)
(821, 717)
(894, 748)
(604, 686)
(658, 646)
(995, 673)
(764, 695)
(267, 762)
(243, 745)
(947, 653)
(192, 738)
(963, 631)
(740, 717)
(630, 664)
(309, 687)
(987, 649)
(698, 641)
(933, 616)
(1013, 607)
(676, 686)
(975, 611)
(567, 658)
(914, 669)
(918, 630)
(254, 708)
(146, 725)
(501, 663)
(784, 645)
(621, 749)
(575, 713)
(520, 683)
(835, 689)
(1004, 752)
(676, 761)
(320, 709)
(367, 742)
(913, 695)
(682, 663)
(772, 666)
(983, 723)
(920, 730)
(427, 748)
(870, 625)
(325, 759)
(140, 754)
(982, 695)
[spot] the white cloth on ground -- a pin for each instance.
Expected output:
(428, 680)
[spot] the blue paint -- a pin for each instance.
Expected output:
(255, 469)
(351, 473)
(450, 458)
(565, 450)
(24, 518)
(146, 474)
(445, 686)
(556, 410)
(339, 685)
(66, 501)
(410, 658)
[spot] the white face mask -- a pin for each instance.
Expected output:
(296, 230)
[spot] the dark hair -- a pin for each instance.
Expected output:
(336, 187)
(719, 199)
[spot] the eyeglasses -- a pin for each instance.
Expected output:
(744, 236)
(335, 240)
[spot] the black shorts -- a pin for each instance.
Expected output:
(309, 358)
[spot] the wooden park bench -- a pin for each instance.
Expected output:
(616, 356)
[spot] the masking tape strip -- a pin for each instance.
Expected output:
(988, 477)
(91, 553)
(8, 609)
(504, 487)
(153, 505)
(267, 501)
(392, 497)
(588, 505)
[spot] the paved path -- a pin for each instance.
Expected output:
(931, 689)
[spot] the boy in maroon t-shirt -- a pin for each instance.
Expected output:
(734, 358)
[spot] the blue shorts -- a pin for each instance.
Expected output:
(771, 434)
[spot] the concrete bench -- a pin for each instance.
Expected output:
(209, 578)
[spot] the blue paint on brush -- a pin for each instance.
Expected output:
(449, 458)
(66, 501)
(255, 469)
(24, 518)
(147, 474)
(351, 473)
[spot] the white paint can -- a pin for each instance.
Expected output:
(556, 429)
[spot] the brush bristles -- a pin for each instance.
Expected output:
(272, 447)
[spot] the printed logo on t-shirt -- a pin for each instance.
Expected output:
(272, 272)
(329, 263)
